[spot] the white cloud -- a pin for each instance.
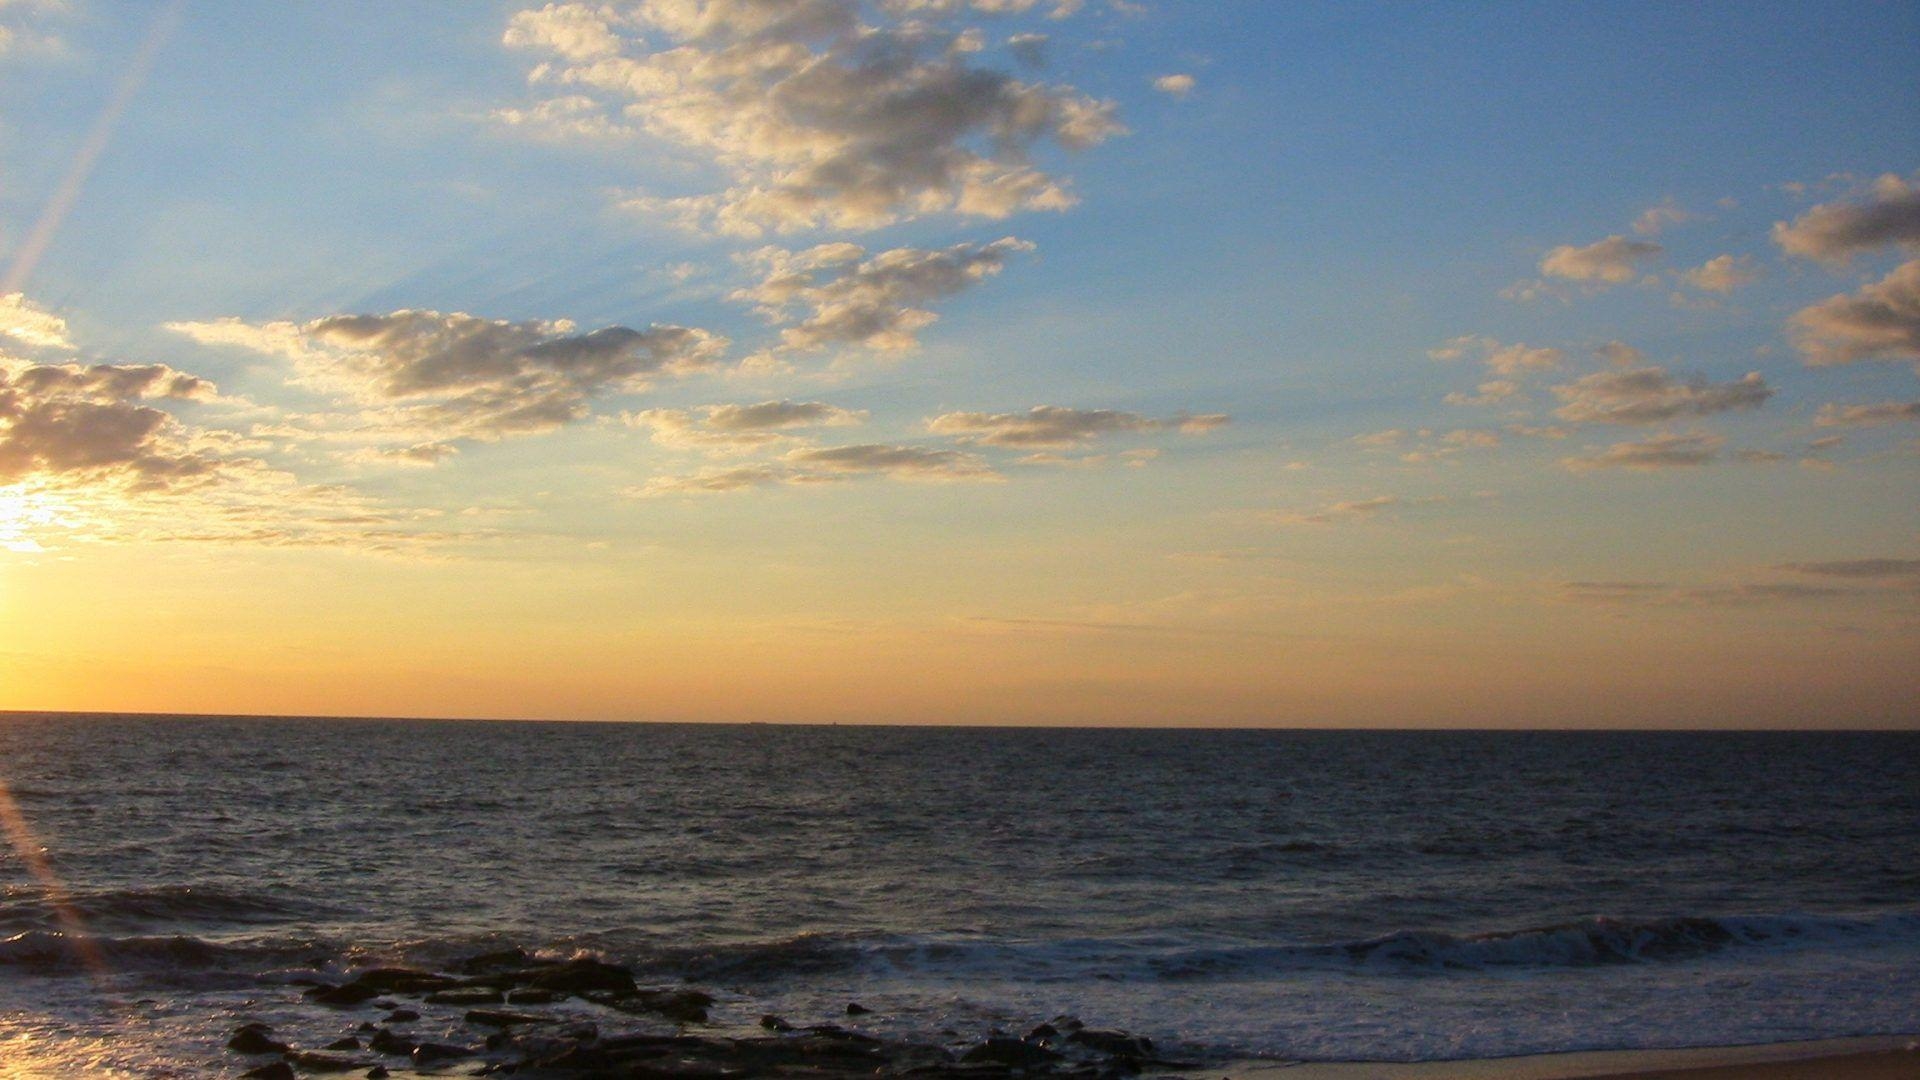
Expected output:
(1491, 392)
(1867, 415)
(1859, 569)
(821, 465)
(29, 324)
(1655, 220)
(1879, 322)
(820, 118)
(1612, 261)
(572, 116)
(1055, 426)
(1501, 359)
(1835, 232)
(1336, 513)
(1649, 395)
(579, 32)
(713, 481)
(460, 375)
(67, 424)
(843, 297)
(1722, 274)
(734, 428)
(1177, 86)
(1659, 452)
(420, 455)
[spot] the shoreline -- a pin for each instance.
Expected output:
(1866, 1057)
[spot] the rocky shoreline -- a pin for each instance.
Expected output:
(507, 1002)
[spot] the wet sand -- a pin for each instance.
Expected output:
(1886, 1057)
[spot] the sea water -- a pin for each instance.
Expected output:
(1287, 894)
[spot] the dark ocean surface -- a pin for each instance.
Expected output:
(1319, 895)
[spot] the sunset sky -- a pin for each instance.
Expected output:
(978, 361)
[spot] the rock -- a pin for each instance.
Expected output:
(578, 1059)
(534, 997)
(348, 1043)
(401, 1016)
(254, 1039)
(500, 960)
(367, 1027)
(428, 1053)
(579, 976)
(386, 1042)
(1011, 1052)
(834, 1031)
(854, 1008)
(340, 997)
(378, 1072)
(491, 1018)
(472, 995)
(279, 1070)
(681, 1006)
(1044, 1031)
(774, 1023)
(1112, 1042)
(321, 1063)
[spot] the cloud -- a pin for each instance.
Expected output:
(714, 481)
(575, 31)
(1620, 354)
(31, 325)
(905, 462)
(1835, 232)
(820, 117)
(1613, 261)
(573, 116)
(730, 428)
(1722, 274)
(1489, 393)
(420, 455)
(1667, 594)
(847, 298)
(1336, 513)
(1380, 440)
(1060, 9)
(1657, 219)
(1053, 425)
(1659, 452)
(820, 465)
(67, 425)
(1177, 86)
(1029, 49)
(1879, 322)
(1872, 569)
(1867, 415)
(465, 376)
(1501, 359)
(1648, 395)
(16, 35)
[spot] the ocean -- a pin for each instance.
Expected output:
(1287, 894)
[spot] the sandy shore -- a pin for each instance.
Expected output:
(1882, 1057)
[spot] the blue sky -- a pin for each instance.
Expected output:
(1236, 322)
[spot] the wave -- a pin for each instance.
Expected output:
(149, 908)
(56, 952)
(1592, 942)
(1584, 943)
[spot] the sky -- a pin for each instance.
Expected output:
(963, 361)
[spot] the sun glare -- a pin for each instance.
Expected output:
(23, 515)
